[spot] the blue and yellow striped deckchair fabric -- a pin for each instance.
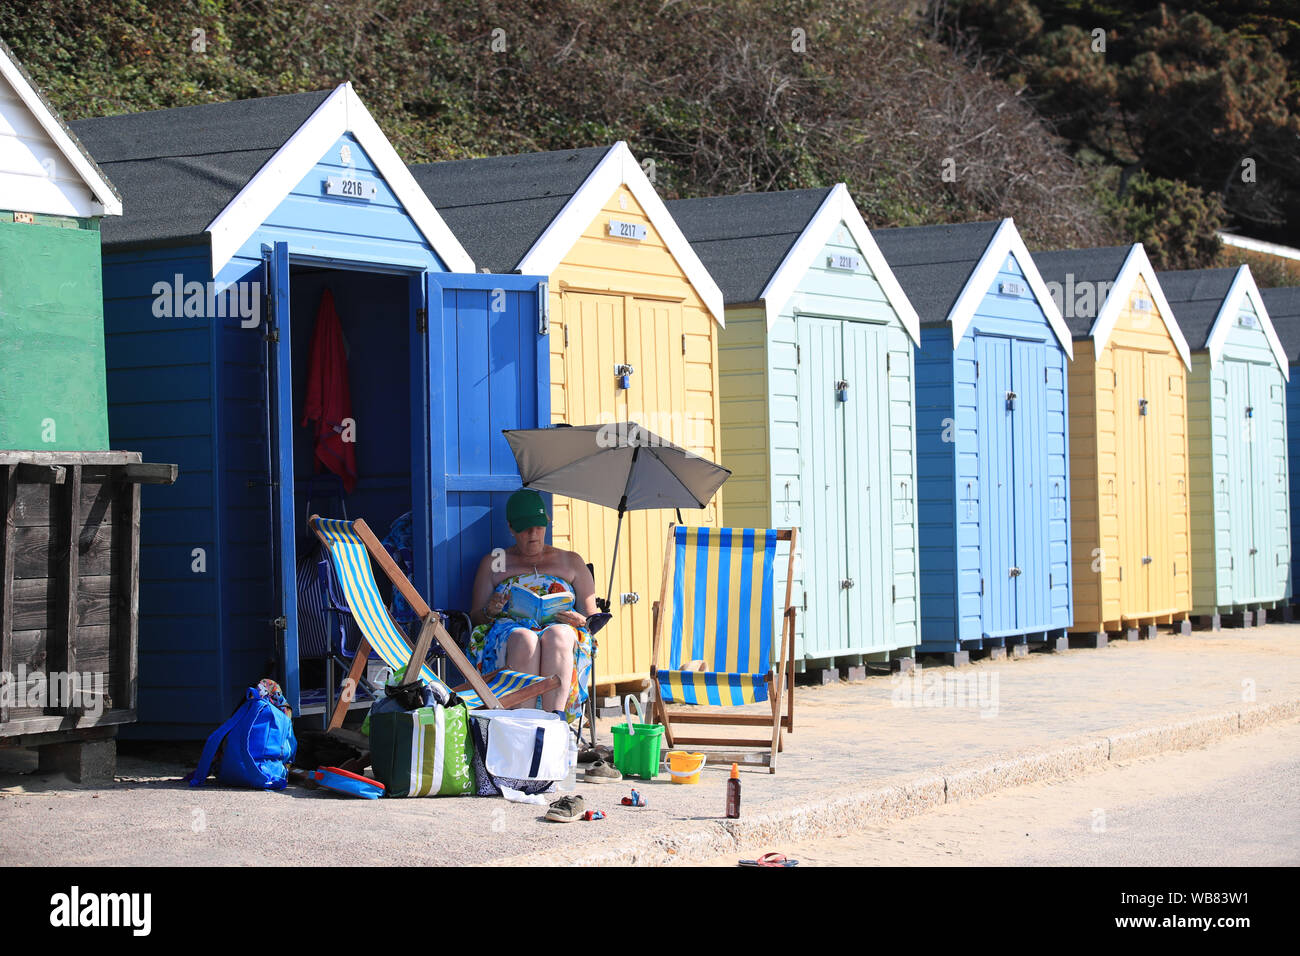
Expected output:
(352, 568)
(720, 612)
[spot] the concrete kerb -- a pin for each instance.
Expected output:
(835, 813)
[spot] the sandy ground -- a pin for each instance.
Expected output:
(848, 736)
(1232, 803)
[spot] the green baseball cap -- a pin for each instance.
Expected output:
(525, 510)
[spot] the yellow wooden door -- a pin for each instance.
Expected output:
(590, 342)
(1160, 435)
(1131, 481)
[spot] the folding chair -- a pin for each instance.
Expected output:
(723, 645)
(351, 546)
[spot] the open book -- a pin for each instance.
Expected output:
(524, 604)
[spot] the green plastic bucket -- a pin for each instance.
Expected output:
(636, 746)
(636, 753)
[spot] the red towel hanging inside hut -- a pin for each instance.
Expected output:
(329, 399)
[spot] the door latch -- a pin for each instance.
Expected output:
(846, 583)
(842, 391)
(1250, 411)
(624, 375)
(629, 597)
(1014, 572)
(1142, 406)
(1011, 401)
(281, 623)
(1254, 550)
(1146, 559)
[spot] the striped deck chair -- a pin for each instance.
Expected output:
(716, 607)
(351, 545)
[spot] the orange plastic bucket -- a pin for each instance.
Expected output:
(685, 767)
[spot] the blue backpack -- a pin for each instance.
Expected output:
(259, 743)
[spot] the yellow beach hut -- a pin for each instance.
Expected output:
(633, 321)
(1129, 468)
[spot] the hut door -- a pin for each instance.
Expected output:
(869, 497)
(1032, 495)
(1262, 550)
(1242, 432)
(997, 404)
(822, 433)
(284, 540)
(592, 336)
(1157, 429)
(1131, 500)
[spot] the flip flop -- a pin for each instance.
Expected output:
(769, 859)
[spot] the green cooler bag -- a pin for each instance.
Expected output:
(423, 753)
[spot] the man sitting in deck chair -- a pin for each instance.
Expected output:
(716, 619)
(351, 546)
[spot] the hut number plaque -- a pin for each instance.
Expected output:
(1246, 320)
(349, 187)
(626, 230)
(850, 263)
(1011, 288)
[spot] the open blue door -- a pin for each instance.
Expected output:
(280, 367)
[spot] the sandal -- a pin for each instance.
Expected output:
(769, 859)
(602, 772)
(566, 810)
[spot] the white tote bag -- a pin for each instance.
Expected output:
(523, 746)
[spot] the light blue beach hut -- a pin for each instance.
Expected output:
(816, 396)
(1284, 310)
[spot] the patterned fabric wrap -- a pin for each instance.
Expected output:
(423, 753)
(352, 569)
(269, 690)
(721, 613)
(398, 543)
(487, 644)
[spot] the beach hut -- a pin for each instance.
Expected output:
(634, 320)
(818, 425)
(992, 457)
(1237, 445)
(52, 198)
(1129, 481)
(240, 218)
(1284, 311)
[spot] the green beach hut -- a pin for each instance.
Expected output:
(52, 196)
(818, 422)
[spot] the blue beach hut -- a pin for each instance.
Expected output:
(239, 217)
(992, 456)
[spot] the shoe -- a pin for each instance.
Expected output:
(566, 810)
(601, 772)
(601, 752)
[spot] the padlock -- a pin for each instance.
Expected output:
(841, 391)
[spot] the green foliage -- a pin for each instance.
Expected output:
(724, 97)
(1178, 224)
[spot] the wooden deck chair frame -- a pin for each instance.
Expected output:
(780, 680)
(431, 629)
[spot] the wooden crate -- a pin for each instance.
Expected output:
(69, 574)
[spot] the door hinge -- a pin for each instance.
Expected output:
(977, 369)
(543, 308)
(422, 320)
(893, 593)
(805, 602)
(798, 356)
(1044, 374)
(1121, 572)
(281, 623)
(981, 587)
(273, 335)
(888, 356)
(566, 336)
(683, 343)
(1114, 378)
(1050, 580)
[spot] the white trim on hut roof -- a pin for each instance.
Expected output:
(837, 207)
(1243, 287)
(1136, 264)
(1006, 241)
(341, 112)
(619, 168)
(45, 195)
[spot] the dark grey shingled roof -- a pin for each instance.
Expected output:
(1196, 296)
(1086, 266)
(1284, 311)
(743, 239)
(933, 263)
(177, 169)
(499, 207)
